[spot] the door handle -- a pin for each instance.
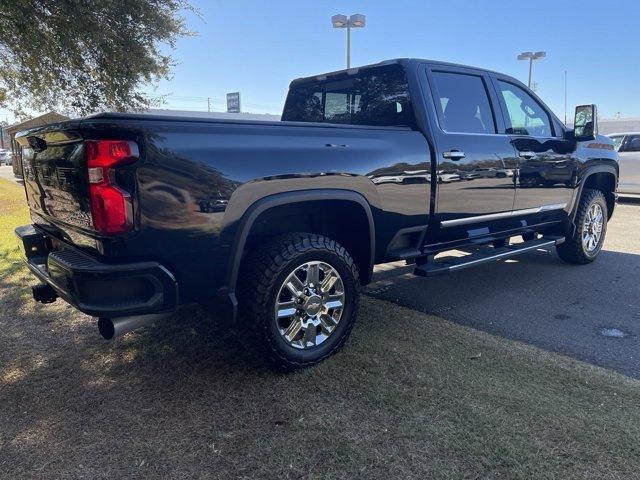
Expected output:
(527, 154)
(454, 155)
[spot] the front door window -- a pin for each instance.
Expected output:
(525, 115)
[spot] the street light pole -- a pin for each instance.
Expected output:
(531, 57)
(565, 97)
(357, 20)
(348, 45)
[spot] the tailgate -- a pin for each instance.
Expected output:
(56, 178)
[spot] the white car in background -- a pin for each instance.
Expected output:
(5, 157)
(628, 146)
(448, 177)
(493, 172)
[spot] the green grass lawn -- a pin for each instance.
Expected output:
(13, 212)
(410, 396)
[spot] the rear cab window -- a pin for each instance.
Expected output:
(377, 96)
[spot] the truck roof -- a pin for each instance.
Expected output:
(406, 62)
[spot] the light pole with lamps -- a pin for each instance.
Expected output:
(357, 20)
(531, 56)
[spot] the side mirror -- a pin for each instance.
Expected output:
(585, 123)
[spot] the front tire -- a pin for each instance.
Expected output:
(299, 299)
(591, 220)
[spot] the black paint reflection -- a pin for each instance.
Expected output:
(547, 171)
(177, 191)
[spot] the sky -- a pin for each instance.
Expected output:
(258, 47)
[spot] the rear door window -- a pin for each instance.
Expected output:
(463, 103)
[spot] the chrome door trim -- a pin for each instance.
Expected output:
(501, 215)
(553, 206)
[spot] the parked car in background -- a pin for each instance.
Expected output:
(5, 158)
(493, 172)
(15, 160)
(416, 179)
(387, 179)
(505, 172)
(448, 177)
(468, 175)
(628, 146)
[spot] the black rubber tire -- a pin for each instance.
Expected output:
(571, 250)
(261, 277)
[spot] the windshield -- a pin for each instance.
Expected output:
(373, 96)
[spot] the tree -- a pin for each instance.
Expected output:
(83, 56)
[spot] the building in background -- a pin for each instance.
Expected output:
(267, 117)
(607, 126)
(618, 125)
(5, 141)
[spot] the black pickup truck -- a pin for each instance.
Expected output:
(278, 224)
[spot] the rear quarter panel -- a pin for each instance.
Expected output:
(197, 180)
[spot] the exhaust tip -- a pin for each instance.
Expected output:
(44, 293)
(110, 328)
(106, 328)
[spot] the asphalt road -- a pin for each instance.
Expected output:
(589, 312)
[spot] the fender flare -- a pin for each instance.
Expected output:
(585, 175)
(227, 293)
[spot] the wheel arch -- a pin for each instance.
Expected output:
(297, 199)
(601, 177)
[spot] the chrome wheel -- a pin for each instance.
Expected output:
(309, 304)
(592, 228)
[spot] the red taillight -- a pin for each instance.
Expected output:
(111, 206)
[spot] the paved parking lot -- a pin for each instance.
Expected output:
(588, 312)
(6, 172)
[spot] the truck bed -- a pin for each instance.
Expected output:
(196, 178)
(142, 117)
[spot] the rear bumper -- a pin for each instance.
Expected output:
(93, 287)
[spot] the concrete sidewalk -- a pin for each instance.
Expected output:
(6, 172)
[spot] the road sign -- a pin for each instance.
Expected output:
(233, 102)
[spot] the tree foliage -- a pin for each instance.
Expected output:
(83, 56)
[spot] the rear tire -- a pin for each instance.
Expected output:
(298, 299)
(591, 227)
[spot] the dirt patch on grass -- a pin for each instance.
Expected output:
(410, 396)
